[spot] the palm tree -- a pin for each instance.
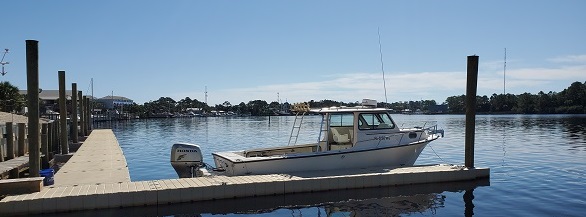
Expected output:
(10, 99)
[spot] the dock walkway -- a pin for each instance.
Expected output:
(19, 163)
(98, 161)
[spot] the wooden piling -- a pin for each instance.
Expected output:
(32, 74)
(1, 149)
(9, 141)
(44, 145)
(49, 140)
(55, 137)
(74, 107)
(21, 138)
(86, 116)
(63, 115)
(81, 113)
(471, 86)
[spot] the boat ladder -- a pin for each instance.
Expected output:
(300, 110)
(323, 130)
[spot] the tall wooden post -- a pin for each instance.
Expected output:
(74, 132)
(21, 138)
(471, 85)
(55, 137)
(1, 149)
(50, 139)
(86, 116)
(14, 173)
(32, 74)
(45, 145)
(81, 113)
(90, 121)
(63, 114)
(9, 141)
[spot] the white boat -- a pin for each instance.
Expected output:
(350, 137)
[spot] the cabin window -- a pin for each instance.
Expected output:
(375, 121)
(342, 120)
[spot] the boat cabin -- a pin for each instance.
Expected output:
(361, 126)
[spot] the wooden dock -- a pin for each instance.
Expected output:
(98, 161)
(101, 185)
(19, 163)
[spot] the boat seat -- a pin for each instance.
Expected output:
(339, 138)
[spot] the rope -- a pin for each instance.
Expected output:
(437, 154)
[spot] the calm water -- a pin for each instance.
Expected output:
(537, 162)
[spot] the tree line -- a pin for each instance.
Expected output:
(571, 100)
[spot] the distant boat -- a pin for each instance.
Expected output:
(350, 137)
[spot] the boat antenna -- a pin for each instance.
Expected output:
(382, 66)
(4, 63)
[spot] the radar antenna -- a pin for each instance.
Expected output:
(4, 63)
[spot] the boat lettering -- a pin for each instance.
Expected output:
(189, 150)
(382, 138)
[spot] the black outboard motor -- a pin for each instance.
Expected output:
(187, 160)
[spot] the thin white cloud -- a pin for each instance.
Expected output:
(569, 59)
(562, 73)
(353, 87)
(403, 86)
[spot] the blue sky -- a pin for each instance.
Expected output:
(303, 50)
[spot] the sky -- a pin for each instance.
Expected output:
(296, 51)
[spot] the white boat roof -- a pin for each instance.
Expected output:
(344, 109)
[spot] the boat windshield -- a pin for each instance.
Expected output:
(368, 121)
(342, 120)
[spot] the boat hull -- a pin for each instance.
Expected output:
(404, 155)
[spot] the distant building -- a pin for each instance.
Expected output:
(49, 99)
(110, 102)
(49, 95)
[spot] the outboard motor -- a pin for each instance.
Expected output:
(187, 160)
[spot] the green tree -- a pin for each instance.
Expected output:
(482, 104)
(526, 103)
(10, 99)
(258, 107)
(545, 102)
(456, 104)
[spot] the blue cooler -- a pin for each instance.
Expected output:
(48, 174)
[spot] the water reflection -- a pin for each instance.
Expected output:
(383, 201)
(468, 204)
